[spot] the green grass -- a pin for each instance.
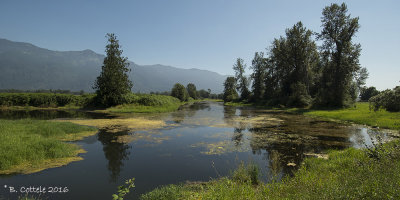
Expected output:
(360, 114)
(136, 108)
(147, 103)
(26, 144)
(347, 174)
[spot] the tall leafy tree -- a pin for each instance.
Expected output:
(230, 93)
(241, 80)
(340, 56)
(113, 83)
(179, 92)
(292, 67)
(258, 75)
(192, 91)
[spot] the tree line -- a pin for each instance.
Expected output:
(295, 71)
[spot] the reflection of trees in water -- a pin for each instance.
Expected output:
(188, 111)
(284, 143)
(114, 152)
(237, 136)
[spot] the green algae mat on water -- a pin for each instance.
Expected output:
(28, 146)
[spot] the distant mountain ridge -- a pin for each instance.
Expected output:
(27, 67)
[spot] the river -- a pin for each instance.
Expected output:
(199, 142)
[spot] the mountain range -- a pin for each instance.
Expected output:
(25, 66)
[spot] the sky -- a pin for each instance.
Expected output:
(203, 34)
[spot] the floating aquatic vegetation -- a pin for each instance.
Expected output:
(221, 147)
(121, 124)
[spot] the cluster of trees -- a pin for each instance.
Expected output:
(190, 92)
(58, 91)
(296, 72)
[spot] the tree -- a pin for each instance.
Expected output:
(340, 56)
(230, 93)
(203, 94)
(192, 91)
(292, 67)
(258, 75)
(179, 91)
(367, 93)
(241, 79)
(113, 83)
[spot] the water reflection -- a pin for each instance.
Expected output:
(187, 146)
(115, 152)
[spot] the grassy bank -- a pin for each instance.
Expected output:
(147, 103)
(28, 146)
(360, 114)
(137, 103)
(347, 174)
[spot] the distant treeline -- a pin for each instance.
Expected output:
(199, 94)
(46, 100)
(58, 91)
(43, 99)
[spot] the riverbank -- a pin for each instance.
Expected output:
(359, 114)
(134, 103)
(28, 146)
(349, 174)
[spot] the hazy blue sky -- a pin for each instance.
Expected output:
(206, 34)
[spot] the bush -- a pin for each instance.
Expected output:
(388, 99)
(42, 99)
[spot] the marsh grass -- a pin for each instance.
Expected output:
(360, 114)
(347, 174)
(27, 145)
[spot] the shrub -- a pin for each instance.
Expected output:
(388, 99)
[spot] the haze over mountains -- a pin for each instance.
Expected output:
(27, 67)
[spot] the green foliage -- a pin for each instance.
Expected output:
(241, 80)
(179, 92)
(258, 76)
(204, 94)
(299, 96)
(124, 189)
(388, 99)
(32, 141)
(347, 174)
(113, 83)
(192, 91)
(43, 99)
(146, 103)
(361, 114)
(230, 93)
(292, 69)
(367, 93)
(246, 174)
(340, 57)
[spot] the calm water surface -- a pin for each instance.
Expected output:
(200, 142)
